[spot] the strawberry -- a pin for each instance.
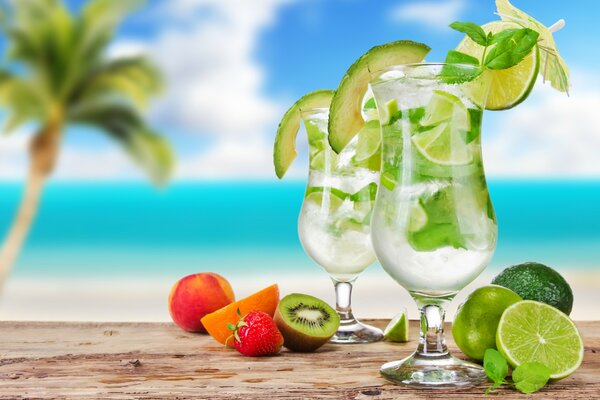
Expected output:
(256, 335)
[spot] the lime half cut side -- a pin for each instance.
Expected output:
(533, 331)
(505, 87)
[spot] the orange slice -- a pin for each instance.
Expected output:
(216, 323)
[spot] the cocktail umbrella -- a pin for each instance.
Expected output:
(552, 67)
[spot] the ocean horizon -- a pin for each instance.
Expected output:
(128, 229)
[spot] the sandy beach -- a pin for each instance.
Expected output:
(145, 299)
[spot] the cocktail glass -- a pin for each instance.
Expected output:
(334, 223)
(434, 229)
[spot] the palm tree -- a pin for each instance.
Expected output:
(57, 74)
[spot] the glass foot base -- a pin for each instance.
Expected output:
(357, 333)
(442, 372)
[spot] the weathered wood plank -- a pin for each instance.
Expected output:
(159, 361)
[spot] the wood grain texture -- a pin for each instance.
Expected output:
(159, 361)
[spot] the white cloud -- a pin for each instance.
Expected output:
(214, 88)
(74, 163)
(13, 156)
(433, 14)
(239, 158)
(550, 135)
(207, 52)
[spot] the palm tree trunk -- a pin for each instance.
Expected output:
(43, 155)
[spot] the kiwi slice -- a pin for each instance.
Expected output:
(305, 322)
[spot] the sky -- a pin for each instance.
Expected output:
(234, 66)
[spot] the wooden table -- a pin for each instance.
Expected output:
(41, 360)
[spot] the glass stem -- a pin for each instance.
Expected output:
(431, 340)
(343, 298)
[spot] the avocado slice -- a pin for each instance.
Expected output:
(284, 151)
(345, 119)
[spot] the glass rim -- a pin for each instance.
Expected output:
(377, 73)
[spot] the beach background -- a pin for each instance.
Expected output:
(107, 245)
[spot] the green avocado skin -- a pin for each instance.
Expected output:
(535, 281)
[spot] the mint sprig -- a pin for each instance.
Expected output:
(526, 378)
(502, 50)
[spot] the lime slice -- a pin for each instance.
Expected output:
(317, 161)
(552, 65)
(369, 141)
(438, 145)
(332, 199)
(506, 87)
(284, 151)
(397, 329)
(444, 107)
(388, 181)
(369, 108)
(345, 118)
(533, 331)
(390, 109)
(418, 218)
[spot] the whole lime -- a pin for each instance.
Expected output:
(476, 321)
(534, 281)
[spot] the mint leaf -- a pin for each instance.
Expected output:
(511, 48)
(474, 31)
(456, 57)
(530, 377)
(457, 74)
(495, 366)
(499, 36)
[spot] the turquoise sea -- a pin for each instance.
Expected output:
(127, 229)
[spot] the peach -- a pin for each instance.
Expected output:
(196, 295)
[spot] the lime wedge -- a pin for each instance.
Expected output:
(533, 331)
(438, 145)
(506, 87)
(397, 329)
(284, 151)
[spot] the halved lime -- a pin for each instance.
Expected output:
(506, 87)
(533, 331)
(345, 118)
(438, 145)
(284, 151)
(397, 329)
